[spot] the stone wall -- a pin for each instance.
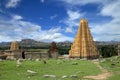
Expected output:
(24, 55)
(13, 54)
(35, 55)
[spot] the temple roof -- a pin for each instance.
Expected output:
(83, 21)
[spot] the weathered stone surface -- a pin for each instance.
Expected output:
(64, 76)
(2, 55)
(14, 46)
(13, 55)
(19, 62)
(35, 55)
(49, 76)
(83, 45)
(73, 76)
(31, 72)
(53, 48)
(53, 51)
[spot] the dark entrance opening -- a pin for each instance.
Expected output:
(23, 55)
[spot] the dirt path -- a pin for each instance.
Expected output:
(102, 76)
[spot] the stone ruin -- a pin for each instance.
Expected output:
(2, 55)
(14, 46)
(53, 51)
(16, 53)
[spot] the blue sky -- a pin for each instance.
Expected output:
(58, 20)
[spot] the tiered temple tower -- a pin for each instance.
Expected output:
(14, 46)
(83, 45)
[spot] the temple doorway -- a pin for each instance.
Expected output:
(23, 55)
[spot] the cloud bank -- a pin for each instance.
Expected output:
(12, 3)
(15, 29)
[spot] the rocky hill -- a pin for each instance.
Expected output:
(33, 43)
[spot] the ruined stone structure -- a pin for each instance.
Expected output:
(35, 55)
(13, 54)
(2, 55)
(83, 45)
(14, 46)
(16, 53)
(53, 51)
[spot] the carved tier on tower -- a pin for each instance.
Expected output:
(14, 46)
(83, 45)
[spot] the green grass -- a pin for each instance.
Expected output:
(9, 71)
(38, 50)
(114, 69)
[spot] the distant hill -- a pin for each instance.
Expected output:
(33, 43)
(107, 42)
(66, 43)
(26, 43)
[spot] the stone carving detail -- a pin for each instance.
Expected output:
(14, 46)
(83, 45)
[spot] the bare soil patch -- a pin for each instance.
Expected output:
(102, 76)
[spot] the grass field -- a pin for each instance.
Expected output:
(38, 50)
(58, 68)
(112, 65)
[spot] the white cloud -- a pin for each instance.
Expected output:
(53, 17)
(72, 20)
(17, 29)
(12, 3)
(17, 17)
(52, 34)
(42, 1)
(63, 38)
(69, 29)
(110, 30)
(73, 15)
(107, 31)
(82, 2)
(111, 9)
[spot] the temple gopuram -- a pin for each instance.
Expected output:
(83, 45)
(14, 46)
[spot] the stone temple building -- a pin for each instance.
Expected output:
(16, 53)
(83, 45)
(53, 51)
(14, 46)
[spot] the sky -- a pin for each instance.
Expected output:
(58, 20)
